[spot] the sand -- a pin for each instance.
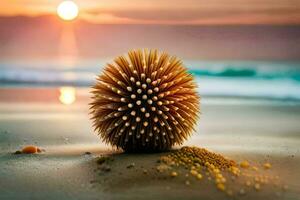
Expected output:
(255, 131)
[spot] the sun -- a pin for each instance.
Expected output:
(67, 10)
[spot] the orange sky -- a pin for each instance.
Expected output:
(167, 11)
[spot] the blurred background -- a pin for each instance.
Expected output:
(237, 48)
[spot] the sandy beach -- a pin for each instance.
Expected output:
(257, 131)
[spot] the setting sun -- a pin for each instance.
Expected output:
(67, 10)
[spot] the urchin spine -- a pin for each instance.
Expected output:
(148, 102)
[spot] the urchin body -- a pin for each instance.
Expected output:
(144, 102)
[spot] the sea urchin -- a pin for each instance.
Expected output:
(144, 102)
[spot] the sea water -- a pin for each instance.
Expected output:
(275, 80)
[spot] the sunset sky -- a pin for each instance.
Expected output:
(167, 11)
(194, 29)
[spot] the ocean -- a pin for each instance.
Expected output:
(269, 80)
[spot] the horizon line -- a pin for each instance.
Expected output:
(151, 22)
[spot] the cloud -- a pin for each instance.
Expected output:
(258, 15)
(169, 11)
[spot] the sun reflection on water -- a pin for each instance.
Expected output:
(67, 95)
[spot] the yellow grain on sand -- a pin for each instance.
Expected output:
(215, 167)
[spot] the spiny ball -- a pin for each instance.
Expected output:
(146, 101)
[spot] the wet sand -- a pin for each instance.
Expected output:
(257, 132)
